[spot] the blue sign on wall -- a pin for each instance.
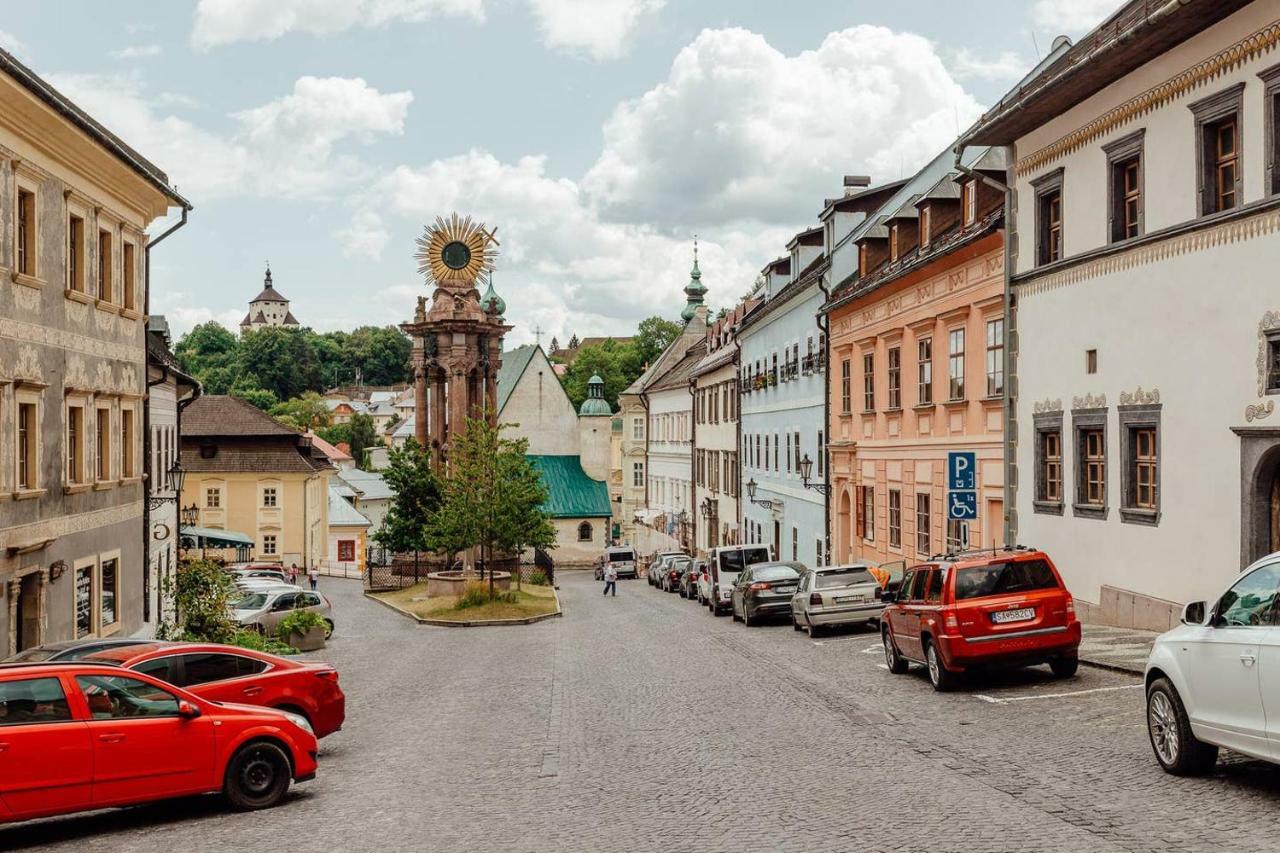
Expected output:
(962, 506)
(962, 471)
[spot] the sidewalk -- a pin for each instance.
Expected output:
(1120, 649)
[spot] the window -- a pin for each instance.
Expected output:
(75, 253)
(103, 444)
(84, 599)
(25, 239)
(108, 592)
(893, 242)
(789, 453)
(1093, 444)
(75, 444)
(637, 474)
(106, 269)
(1251, 602)
(32, 700)
(822, 455)
(924, 371)
(269, 544)
(1091, 361)
(1048, 195)
(1051, 466)
(111, 697)
(1124, 180)
(923, 524)
(846, 405)
(895, 518)
(205, 667)
(868, 382)
(1140, 450)
(956, 363)
(926, 226)
(28, 451)
(584, 531)
(127, 449)
(346, 550)
(862, 259)
(1273, 364)
(775, 453)
(269, 497)
(895, 377)
(637, 429)
(795, 543)
(957, 536)
(1217, 119)
(213, 497)
(868, 522)
(1144, 463)
(1089, 427)
(995, 357)
(969, 202)
(127, 281)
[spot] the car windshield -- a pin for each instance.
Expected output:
(622, 556)
(775, 573)
(681, 565)
(1004, 578)
(737, 560)
(253, 601)
(843, 577)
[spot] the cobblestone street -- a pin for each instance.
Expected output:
(642, 723)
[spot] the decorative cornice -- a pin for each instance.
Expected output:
(1259, 411)
(1221, 63)
(63, 525)
(1088, 401)
(1045, 407)
(1234, 231)
(1140, 397)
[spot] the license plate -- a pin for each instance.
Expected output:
(850, 599)
(785, 590)
(1013, 615)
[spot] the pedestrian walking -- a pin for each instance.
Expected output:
(313, 575)
(293, 574)
(610, 580)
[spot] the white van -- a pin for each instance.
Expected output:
(724, 565)
(623, 559)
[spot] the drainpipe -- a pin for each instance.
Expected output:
(1008, 394)
(824, 323)
(693, 461)
(146, 411)
(737, 442)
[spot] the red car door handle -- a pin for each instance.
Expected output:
(113, 738)
(252, 691)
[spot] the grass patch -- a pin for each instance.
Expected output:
(523, 604)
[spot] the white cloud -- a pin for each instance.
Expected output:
(1073, 18)
(221, 22)
(364, 236)
(136, 51)
(1005, 67)
(599, 28)
(284, 148)
(14, 45)
(740, 131)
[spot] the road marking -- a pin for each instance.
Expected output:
(995, 700)
(883, 666)
(873, 650)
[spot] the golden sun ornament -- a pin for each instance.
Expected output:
(456, 251)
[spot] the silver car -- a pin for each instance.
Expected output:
(836, 595)
(261, 609)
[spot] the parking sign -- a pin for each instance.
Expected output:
(962, 506)
(962, 471)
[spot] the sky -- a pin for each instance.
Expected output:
(598, 136)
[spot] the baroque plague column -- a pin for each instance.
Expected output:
(457, 341)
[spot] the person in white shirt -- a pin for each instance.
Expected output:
(610, 580)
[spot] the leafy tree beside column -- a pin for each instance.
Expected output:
(415, 500)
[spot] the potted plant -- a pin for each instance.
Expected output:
(303, 629)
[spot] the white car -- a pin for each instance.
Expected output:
(836, 595)
(1214, 681)
(725, 564)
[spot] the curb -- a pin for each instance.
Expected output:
(473, 623)
(1112, 667)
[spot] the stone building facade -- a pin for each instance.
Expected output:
(76, 205)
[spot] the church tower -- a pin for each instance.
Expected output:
(268, 308)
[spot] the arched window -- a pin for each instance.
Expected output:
(584, 531)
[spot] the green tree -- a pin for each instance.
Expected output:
(381, 354)
(335, 434)
(363, 436)
(209, 353)
(304, 412)
(283, 359)
(492, 496)
(613, 362)
(247, 388)
(415, 499)
(654, 335)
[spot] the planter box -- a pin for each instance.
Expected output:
(308, 642)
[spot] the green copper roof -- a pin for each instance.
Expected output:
(492, 301)
(695, 289)
(595, 404)
(513, 364)
(570, 492)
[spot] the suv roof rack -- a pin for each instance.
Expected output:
(977, 552)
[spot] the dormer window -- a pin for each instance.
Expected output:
(926, 226)
(969, 202)
(893, 242)
(862, 259)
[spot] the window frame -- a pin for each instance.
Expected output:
(895, 518)
(1045, 424)
(106, 265)
(955, 358)
(270, 497)
(1133, 419)
(346, 547)
(274, 550)
(214, 492)
(590, 531)
(1084, 421)
(924, 523)
(846, 386)
(129, 445)
(868, 381)
(968, 202)
(868, 513)
(893, 359)
(103, 446)
(1210, 113)
(1045, 188)
(26, 252)
(1121, 153)
(77, 255)
(77, 455)
(995, 365)
(924, 364)
(926, 226)
(1270, 78)
(23, 397)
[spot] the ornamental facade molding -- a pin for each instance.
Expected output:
(1140, 397)
(34, 333)
(27, 365)
(1089, 401)
(64, 525)
(1188, 80)
(1259, 411)
(1047, 406)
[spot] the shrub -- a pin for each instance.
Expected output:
(201, 594)
(538, 578)
(261, 643)
(299, 622)
(474, 594)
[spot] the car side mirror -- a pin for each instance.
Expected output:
(1193, 613)
(889, 596)
(187, 710)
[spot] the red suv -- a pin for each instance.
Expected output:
(232, 674)
(976, 609)
(78, 736)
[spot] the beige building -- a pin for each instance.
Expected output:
(249, 474)
(76, 203)
(268, 308)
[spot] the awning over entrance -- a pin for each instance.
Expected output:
(211, 537)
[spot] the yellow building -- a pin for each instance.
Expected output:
(247, 473)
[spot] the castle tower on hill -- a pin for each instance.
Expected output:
(268, 308)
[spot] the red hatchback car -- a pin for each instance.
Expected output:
(78, 736)
(232, 674)
(977, 609)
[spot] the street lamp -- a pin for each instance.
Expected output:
(806, 468)
(751, 495)
(174, 478)
(708, 508)
(190, 515)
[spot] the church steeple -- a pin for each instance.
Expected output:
(695, 290)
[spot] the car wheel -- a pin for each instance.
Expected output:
(795, 625)
(814, 630)
(257, 776)
(940, 677)
(1065, 666)
(746, 616)
(1178, 750)
(328, 628)
(733, 611)
(897, 663)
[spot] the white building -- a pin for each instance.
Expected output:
(268, 308)
(783, 405)
(1144, 247)
(670, 454)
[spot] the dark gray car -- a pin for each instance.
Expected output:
(765, 589)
